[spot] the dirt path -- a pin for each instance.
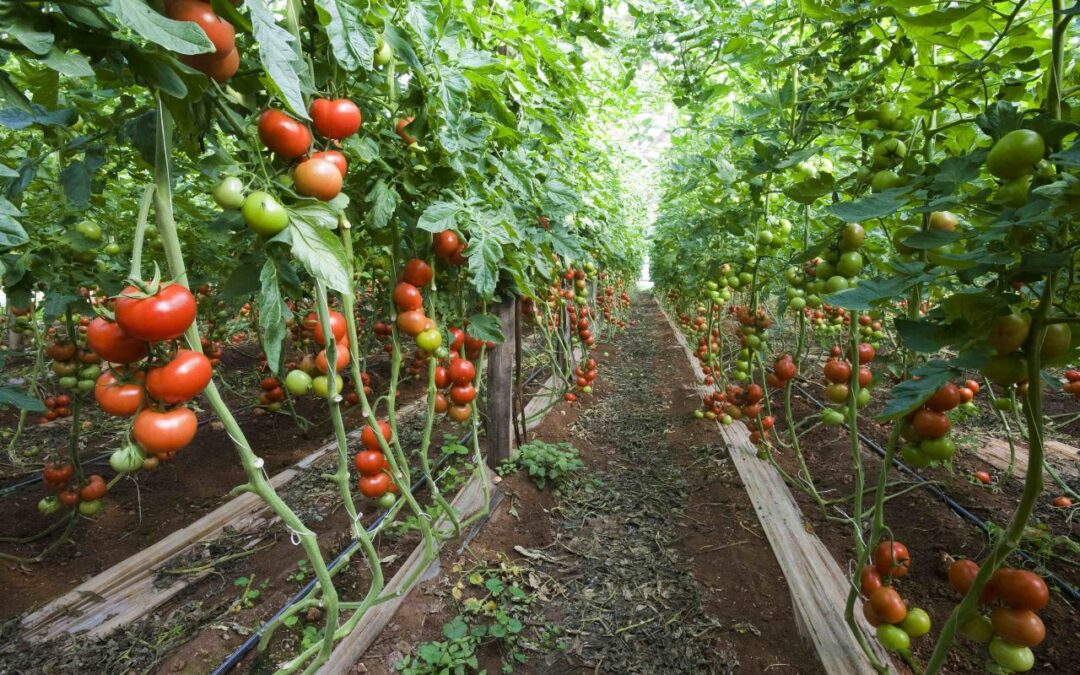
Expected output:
(651, 560)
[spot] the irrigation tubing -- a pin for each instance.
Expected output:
(954, 505)
(233, 659)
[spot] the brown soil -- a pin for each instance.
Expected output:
(655, 553)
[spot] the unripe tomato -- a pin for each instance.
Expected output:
(916, 623)
(1014, 658)
(298, 382)
(893, 638)
(229, 193)
(264, 214)
(1015, 154)
(429, 340)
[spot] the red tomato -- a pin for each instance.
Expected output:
(461, 371)
(407, 297)
(837, 371)
(930, 424)
(944, 399)
(442, 379)
(335, 158)
(887, 604)
(866, 353)
(417, 272)
(983, 477)
(119, 399)
(441, 404)
(753, 393)
(68, 498)
(95, 489)
(283, 135)
(869, 580)
(866, 377)
(220, 66)
(462, 394)
(1020, 589)
(459, 339)
(181, 379)
(399, 129)
(784, 369)
(965, 394)
(369, 462)
(962, 574)
(446, 244)
(109, 341)
(318, 178)
(891, 558)
(341, 358)
(973, 386)
(160, 317)
(1017, 626)
(460, 413)
(337, 118)
(58, 473)
(220, 32)
(868, 613)
(412, 322)
(164, 433)
(375, 485)
(338, 327)
(371, 441)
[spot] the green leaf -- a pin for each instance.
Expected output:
(384, 200)
(868, 292)
(75, 179)
(456, 628)
(353, 42)
(565, 243)
(277, 51)
(14, 398)
(926, 336)
(907, 396)
(876, 205)
(36, 41)
(273, 313)
(495, 585)
(439, 216)
(928, 239)
(11, 231)
(485, 327)
(66, 63)
(182, 37)
(485, 255)
(319, 250)
(810, 190)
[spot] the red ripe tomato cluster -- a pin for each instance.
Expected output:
(1013, 598)
(220, 64)
(783, 371)
(375, 480)
(153, 392)
(59, 481)
(837, 372)
(585, 375)
(1071, 385)
(455, 382)
(926, 431)
(883, 606)
(56, 407)
(409, 301)
(613, 300)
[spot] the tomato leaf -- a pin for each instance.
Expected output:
(273, 313)
(384, 200)
(66, 63)
(810, 190)
(17, 399)
(927, 336)
(12, 233)
(318, 249)
(877, 205)
(75, 179)
(439, 216)
(485, 327)
(910, 394)
(869, 292)
(182, 37)
(283, 63)
(353, 42)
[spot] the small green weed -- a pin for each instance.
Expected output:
(544, 462)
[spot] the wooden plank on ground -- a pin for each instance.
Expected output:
(126, 591)
(995, 451)
(468, 501)
(819, 587)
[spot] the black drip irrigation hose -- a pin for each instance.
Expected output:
(233, 659)
(954, 505)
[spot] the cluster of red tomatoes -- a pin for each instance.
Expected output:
(56, 407)
(64, 492)
(783, 371)
(1071, 385)
(613, 300)
(1013, 627)
(837, 373)
(220, 64)
(926, 430)
(585, 375)
(299, 379)
(375, 481)
(455, 381)
(154, 392)
(449, 247)
(883, 606)
(411, 319)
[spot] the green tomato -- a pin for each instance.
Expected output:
(978, 628)
(753, 341)
(48, 505)
(90, 508)
(940, 449)
(263, 214)
(727, 420)
(112, 248)
(793, 276)
(765, 237)
(889, 152)
(916, 623)
(89, 229)
(914, 457)
(1014, 192)
(229, 193)
(746, 278)
(1015, 154)
(1003, 403)
(712, 286)
(739, 376)
(386, 500)
(699, 414)
(836, 283)
(887, 115)
(850, 264)
(298, 382)
(384, 54)
(831, 417)
(1005, 369)
(900, 234)
(884, 180)
(85, 385)
(892, 638)
(69, 382)
(586, 389)
(85, 256)
(813, 301)
(1012, 657)
(429, 340)
(1056, 341)
(862, 399)
(321, 386)
(824, 270)
(92, 372)
(127, 459)
(852, 237)
(798, 304)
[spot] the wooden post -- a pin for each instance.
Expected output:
(500, 387)
(519, 384)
